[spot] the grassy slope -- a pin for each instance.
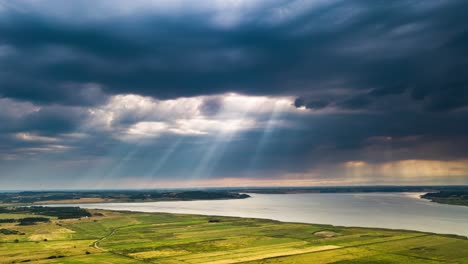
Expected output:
(459, 197)
(167, 238)
(451, 201)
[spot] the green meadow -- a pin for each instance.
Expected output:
(126, 237)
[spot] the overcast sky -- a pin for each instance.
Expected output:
(182, 93)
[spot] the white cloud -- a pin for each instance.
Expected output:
(36, 138)
(203, 126)
(143, 130)
(16, 109)
(46, 148)
(133, 117)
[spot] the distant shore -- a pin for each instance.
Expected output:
(459, 198)
(454, 195)
(89, 197)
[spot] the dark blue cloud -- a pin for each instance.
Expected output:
(384, 47)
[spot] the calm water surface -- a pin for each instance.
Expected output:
(386, 210)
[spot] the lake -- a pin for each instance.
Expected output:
(385, 210)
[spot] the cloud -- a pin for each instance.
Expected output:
(358, 102)
(33, 137)
(292, 48)
(235, 89)
(134, 117)
(211, 106)
(408, 169)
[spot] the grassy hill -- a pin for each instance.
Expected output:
(126, 237)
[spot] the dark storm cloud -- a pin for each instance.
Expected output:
(311, 104)
(385, 47)
(52, 120)
(358, 102)
(51, 92)
(48, 120)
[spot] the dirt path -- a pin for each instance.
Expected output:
(96, 243)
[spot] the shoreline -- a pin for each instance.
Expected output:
(290, 222)
(246, 209)
(416, 195)
(62, 202)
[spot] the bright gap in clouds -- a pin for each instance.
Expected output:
(133, 117)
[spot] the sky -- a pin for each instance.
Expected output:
(181, 93)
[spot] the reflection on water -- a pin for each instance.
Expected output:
(386, 210)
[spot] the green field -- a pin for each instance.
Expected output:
(124, 237)
(459, 197)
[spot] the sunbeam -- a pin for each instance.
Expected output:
(218, 145)
(267, 132)
(161, 161)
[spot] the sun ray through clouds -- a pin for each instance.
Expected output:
(274, 116)
(223, 138)
(151, 177)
